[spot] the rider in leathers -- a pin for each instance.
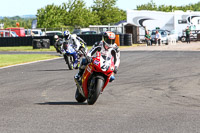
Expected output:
(107, 47)
(76, 42)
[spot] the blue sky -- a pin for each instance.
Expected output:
(29, 7)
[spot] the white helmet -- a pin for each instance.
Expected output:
(66, 34)
(55, 36)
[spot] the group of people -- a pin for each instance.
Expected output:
(149, 40)
(158, 37)
(106, 46)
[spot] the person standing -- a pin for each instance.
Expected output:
(188, 31)
(148, 38)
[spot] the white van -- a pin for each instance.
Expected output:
(36, 32)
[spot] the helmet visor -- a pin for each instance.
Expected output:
(109, 41)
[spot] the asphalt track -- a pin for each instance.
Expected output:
(154, 92)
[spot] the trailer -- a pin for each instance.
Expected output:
(176, 21)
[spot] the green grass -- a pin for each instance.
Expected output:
(12, 59)
(30, 48)
(26, 49)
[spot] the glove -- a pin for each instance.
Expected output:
(89, 59)
(115, 71)
(117, 49)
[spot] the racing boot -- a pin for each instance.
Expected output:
(79, 74)
(112, 78)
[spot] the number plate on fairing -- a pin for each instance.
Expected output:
(96, 62)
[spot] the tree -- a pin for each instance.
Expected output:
(170, 8)
(11, 22)
(50, 17)
(77, 14)
(108, 12)
(149, 6)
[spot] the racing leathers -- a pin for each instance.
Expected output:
(77, 44)
(73, 40)
(113, 51)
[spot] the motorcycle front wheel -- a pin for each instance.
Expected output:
(69, 61)
(96, 90)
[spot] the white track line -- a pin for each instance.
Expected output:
(29, 63)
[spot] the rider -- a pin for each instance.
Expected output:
(107, 47)
(75, 40)
(77, 44)
(58, 43)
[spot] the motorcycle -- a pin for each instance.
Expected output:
(94, 79)
(71, 56)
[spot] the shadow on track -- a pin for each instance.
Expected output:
(61, 103)
(56, 70)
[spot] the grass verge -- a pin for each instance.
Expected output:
(30, 48)
(13, 59)
(26, 49)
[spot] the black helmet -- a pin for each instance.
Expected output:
(108, 39)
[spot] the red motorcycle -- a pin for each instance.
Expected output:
(95, 78)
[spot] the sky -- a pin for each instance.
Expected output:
(29, 7)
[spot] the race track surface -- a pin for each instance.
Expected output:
(154, 92)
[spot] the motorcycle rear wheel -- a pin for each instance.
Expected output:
(97, 90)
(79, 98)
(69, 61)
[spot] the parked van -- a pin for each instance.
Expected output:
(37, 32)
(27, 32)
(19, 31)
(52, 33)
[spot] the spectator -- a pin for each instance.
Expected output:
(158, 38)
(148, 38)
(188, 31)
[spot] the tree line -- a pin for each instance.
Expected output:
(11, 22)
(75, 13)
(168, 8)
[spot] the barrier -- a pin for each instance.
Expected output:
(128, 40)
(41, 43)
(123, 39)
(117, 40)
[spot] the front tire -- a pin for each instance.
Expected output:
(69, 61)
(97, 87)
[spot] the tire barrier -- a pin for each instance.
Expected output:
(91, 39)
(22, 41)
(41, 43)
(121, 39)
(124, 39)
(128, 40)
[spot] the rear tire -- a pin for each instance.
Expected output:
(79, 98)
(69, 61)
(97, 90)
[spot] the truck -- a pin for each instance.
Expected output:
(176, 21)
(18, 30)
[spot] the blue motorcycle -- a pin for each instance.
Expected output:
(70, 55)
